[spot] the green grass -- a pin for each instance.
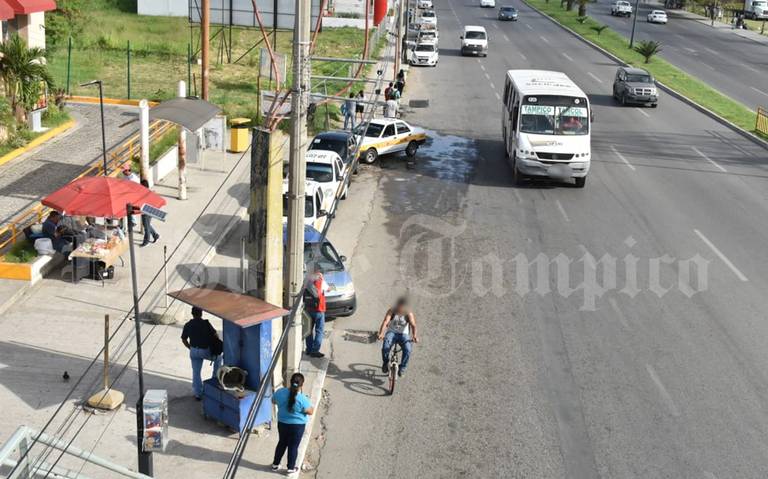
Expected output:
(52, 118)
(159, 58)
(21, 252)
(163, 144)
(664, 71)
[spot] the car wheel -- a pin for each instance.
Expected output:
(371, 155)
(346, 190)
(411, 149)
(517, 177)
(580, 182)
(654, 105)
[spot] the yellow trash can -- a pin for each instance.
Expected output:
(239, 134)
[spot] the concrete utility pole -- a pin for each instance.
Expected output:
(399, 43)
(182, 164)
(205, 39)
(634, 23)
(296, 178)
(144, 134)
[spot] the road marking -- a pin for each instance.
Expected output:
(759, 91)
(690, 50)
(495, 26)
(709, 159)
(523, 57)
(517, 195)
(487, 76)
(498, 97)
(711, 51)
(621, 157)
(596, 78)
(752, 68)
(493, 87)
(506, 37)
(662, 390)
(643, 112)
(562, 211)
(709, 66)
(566, 56)
(529, 27)
(544, 39)
(478, 60)
(722, 257)
(482, 67)
(619, 313)
(709, 475)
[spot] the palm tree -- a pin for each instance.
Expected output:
(648, 48)
(22, 69)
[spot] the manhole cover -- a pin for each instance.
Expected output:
(418, 103)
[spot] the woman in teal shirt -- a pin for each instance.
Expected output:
(293, 411)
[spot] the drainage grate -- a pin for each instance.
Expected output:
(418, 103)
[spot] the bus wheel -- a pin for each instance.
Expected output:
(517, 177)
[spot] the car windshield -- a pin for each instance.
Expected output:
(374, 130)
(425, 48)
(309, 209)
(428, 14)
(473, 35)
(337, 146)
(554, 115)
(657, 12)
(324, 256)
(638, 78)
(508, 9)
(320, 172)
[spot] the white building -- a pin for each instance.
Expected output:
(25, 17)
(163, 8)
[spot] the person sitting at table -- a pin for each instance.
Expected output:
(56, 233)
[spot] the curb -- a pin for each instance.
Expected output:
(723, 121)
(107, 101)
(37, 141)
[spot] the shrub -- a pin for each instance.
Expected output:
(648, 48)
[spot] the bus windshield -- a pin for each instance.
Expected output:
(554, 115)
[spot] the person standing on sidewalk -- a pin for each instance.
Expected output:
(293, 411)
(315, 301)
(146, 223)
(200, 337)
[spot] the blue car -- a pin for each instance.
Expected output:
(340, 299)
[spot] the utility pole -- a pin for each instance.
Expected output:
(182, 160)
(205, 39)
(399, 44)
(296, 177)
(634, 23)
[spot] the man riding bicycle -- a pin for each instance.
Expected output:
(396, 328)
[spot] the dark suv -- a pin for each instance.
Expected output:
(635, 85)
(341, 142)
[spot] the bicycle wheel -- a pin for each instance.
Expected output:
(392, 377)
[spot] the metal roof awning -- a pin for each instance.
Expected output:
(191, 113)
(25, 7)
(218, 300)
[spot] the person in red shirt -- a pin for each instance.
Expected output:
(315, 301)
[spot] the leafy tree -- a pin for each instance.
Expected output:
(648, 48)
(22, 69)
(67, 20)
(599, 28)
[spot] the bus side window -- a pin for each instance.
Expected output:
(514, 117)
(506, 93)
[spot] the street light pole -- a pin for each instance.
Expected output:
(634, 23)
(103, 128)
(145, 458)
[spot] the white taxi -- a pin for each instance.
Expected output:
(425, 53)
(327, 168)
(317, 206)
(388, 135)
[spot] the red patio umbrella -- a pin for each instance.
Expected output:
(101, 196)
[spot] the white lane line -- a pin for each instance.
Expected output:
(506, 38)
(487, 76)
(482, 67)
(517, 195)
(544, 39)
(709, 66)
(689, 50)
(525, 58)
(752, 68)
(478, 60)
(621, 157)
(566, 56)
(665, 396)
(498, 97)
(562, 211)
(493, 87)
(709, 475)
(619, 313)
(495, 26)
(709, 159)
(759, 91)
(711, 51)
(595, 77)
(529, 27)
(643, 112)
(722, 257)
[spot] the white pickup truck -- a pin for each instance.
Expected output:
(621, 8)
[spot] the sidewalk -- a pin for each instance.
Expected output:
(721, 26)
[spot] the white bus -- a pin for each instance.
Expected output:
(546, 124)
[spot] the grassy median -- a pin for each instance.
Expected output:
(664, 71)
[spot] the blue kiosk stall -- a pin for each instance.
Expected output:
(247, 337)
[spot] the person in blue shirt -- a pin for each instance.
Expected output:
(293, 411)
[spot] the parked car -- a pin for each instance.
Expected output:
(474, 41)
(389, 135)
(425, 4)
(508, 13)
(339, 141)
(487, 3)
(327, 169)
(621, 8)
(635, 85)
(428, 17)
(657, 16)
(316, 205)
(425, 54)
(341, 299)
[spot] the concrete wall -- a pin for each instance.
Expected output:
(29, 27)
(163, 8)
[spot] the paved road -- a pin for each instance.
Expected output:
(28, 178)
(733, 65)
(509, 383)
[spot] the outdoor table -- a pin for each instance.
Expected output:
(99, 251)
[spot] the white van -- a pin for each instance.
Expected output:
(474, 41)
(546, 122)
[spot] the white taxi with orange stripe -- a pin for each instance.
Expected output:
(388, 135)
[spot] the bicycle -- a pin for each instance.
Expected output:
(394, 365)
